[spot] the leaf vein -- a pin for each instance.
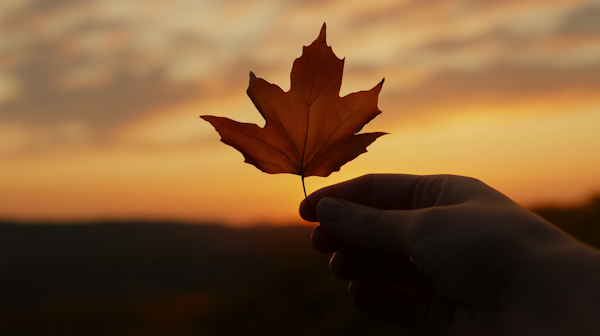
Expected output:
(335, 130)
(266, 143)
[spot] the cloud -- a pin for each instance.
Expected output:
(585, 20)
(107, 64)
(99, 99)
(17, 140)
(501, 89)
(125, 99)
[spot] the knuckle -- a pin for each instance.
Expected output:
(425, 222)
(470, 180)
(426, 191)
(366, 224)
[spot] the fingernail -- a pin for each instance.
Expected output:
(332, 210)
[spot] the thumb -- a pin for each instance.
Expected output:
(359, 226)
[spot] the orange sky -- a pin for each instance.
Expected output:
(99, 100)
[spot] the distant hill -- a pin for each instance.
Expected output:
(582, 222)
(170, 279)
(142, 278)
(43, 262)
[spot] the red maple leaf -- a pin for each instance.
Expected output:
(310, 130)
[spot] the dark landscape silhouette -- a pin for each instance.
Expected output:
(161, 278)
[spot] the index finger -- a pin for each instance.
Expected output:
(381, 191)
(403, 192)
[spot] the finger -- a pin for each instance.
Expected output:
(383, 191)
(392, 304)
(401, 306)
(365, 228)
(322, 241)
(349, 264)
(346, 264)
(403, 192)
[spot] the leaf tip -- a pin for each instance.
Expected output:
(252, 77)
(322, 34)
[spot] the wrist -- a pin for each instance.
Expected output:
(558, 290)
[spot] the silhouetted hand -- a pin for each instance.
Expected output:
(448, 255)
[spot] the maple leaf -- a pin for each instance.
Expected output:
(310, 130)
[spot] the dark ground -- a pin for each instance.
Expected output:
(174, 279)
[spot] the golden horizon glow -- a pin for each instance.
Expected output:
(506, 93)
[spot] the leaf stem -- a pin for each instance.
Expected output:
(304, 188)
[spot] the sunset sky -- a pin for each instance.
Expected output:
(99, 100)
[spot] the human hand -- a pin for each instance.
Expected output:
(448, 255)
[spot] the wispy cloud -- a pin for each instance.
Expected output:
(107, 63)
(110, 76)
